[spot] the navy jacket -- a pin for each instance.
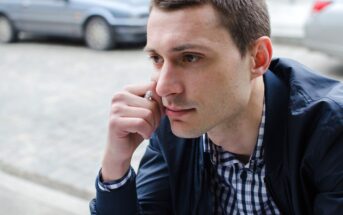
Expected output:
(303, 143)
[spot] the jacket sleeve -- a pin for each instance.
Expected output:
(328, 173)
(146, 193)
(153, 185)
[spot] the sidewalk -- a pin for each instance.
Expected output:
(63, 152)
(18, 196)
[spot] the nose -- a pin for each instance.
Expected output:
(168, 81)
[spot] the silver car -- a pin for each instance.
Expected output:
(324, 28)
(101, 23)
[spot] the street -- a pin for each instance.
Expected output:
(55, 99)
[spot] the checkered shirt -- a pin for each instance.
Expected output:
(239, 188)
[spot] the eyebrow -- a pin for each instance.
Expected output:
(179, 48)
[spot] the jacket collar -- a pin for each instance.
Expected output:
(276, 98)
(275, 139)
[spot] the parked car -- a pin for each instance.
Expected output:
(101, 23)
(324, 28)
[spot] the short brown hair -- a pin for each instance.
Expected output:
(245, 20)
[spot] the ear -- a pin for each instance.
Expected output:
(261, 56)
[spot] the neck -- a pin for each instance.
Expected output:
(239, 135)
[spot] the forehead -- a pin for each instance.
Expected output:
(190, 25)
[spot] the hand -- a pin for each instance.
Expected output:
(133, 118)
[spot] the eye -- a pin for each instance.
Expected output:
(156, 59)
(190, 58)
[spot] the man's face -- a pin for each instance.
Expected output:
(201, 76)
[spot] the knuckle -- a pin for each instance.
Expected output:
(116, 109)
(118, 97)
(113, 121)
(140, 122)
(128, 88)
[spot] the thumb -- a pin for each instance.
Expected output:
(157, 98)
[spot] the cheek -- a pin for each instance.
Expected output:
(221, 90)
(154, 76)
(211, 92)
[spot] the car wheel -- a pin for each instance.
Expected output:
(99, 35)
(8, 33)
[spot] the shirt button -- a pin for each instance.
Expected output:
(244, 175)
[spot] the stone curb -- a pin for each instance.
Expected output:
(46, 181)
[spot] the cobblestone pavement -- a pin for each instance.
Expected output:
(55, 100)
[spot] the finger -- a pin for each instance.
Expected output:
(150, 111)
(126, 126)
(138, 90)
(125, 99)
(156, 101)
(157, 98)
(130, 99)
(134, 112)
(134, 96)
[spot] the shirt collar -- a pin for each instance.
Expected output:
(221, 157)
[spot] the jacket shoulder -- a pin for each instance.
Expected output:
(306, 87)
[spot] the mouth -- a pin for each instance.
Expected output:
(177, 113)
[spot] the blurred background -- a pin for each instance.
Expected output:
(62, 60)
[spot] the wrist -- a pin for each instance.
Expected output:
(114, 169)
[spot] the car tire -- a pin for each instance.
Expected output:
(8, 33)
(98, 34)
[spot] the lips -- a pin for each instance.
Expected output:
(177, 112)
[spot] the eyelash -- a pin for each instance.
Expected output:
(186, 59)
(156, 59)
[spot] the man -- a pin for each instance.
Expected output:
(232, 132)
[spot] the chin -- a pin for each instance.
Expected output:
(185, 132)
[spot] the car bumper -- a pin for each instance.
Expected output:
(319, 37)
(130, 34)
